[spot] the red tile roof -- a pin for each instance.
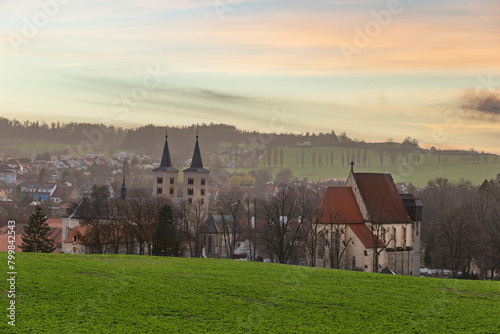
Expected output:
(382, 198)
(55, 233)
(365, 235)
(340, 200)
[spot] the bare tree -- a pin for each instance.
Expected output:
(309, 199)
(458, 232)
(284, 229)
(94, 213)
(230, 207)
(380, 241)
(190, 219)
(337, 242)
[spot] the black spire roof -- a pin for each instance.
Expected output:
(196, 163)
(166, 162)
(124, 189)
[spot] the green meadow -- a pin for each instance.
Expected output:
(30, 148)
(428, 167)
(63, 293)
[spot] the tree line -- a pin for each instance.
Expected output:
(461, 226)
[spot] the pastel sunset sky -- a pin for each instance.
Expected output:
(375, 69)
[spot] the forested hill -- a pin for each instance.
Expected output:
(149, 139)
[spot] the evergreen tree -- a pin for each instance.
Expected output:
(42, 176)
(165, 241)
(36, 234)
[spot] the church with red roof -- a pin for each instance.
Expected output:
(368, 226)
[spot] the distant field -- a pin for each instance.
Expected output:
(30, 148)
(426, 169)
(59, 293)
(419, 177)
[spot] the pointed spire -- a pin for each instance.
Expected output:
(166, 162)
(165, 159)
(124, 189)
(196, 162)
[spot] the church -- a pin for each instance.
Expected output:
(366, 225)
(165, 184)
(195, 178)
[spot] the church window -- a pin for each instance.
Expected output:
(202, 201)
(210, 244)
(190, 200)
(159, 180)
(321, 248)
(404, 235)
(171, 191)
(394, 236)
(353, 262)
(203, 181)
(190, 191)
(159, 190)
(202, 192)
(74, 250)
(190, 180)
(74, 238)
(172, 180)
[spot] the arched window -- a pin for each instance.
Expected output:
(210, 244)
(321, 247)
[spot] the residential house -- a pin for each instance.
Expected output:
(39, 192)
(55, 234)
(8, 174)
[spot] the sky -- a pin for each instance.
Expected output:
(374, 69)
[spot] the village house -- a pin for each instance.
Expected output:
(55, 233)
(8, 174)
(39, 192)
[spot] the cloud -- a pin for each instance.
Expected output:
(481, 104)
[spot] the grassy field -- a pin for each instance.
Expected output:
(419, 176)
(59, 293)
(29, 148)
(419, 173)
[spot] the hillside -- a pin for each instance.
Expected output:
(221, 144)
(417, 168)
(59, 293)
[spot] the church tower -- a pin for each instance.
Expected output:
(124, 189)
(165, 176)
(196, 178)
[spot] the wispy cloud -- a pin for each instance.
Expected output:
(477, 104)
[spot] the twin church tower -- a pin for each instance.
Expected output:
(194, 188)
